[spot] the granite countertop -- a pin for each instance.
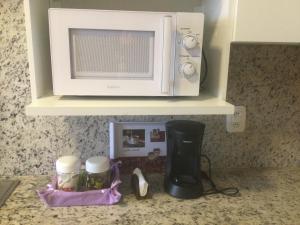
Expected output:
(268, 196)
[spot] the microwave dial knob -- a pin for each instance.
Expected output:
(189, 42)
(188, 69)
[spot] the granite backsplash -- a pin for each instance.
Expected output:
(264, 78)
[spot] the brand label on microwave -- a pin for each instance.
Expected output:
(113, 86)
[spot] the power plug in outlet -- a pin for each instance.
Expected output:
(237, 121)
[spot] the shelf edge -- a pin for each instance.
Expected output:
(222, 108)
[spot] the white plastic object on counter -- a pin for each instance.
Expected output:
(143, 184)
(67, 169)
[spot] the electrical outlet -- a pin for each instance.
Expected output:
(237, 121)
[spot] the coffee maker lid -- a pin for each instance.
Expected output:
(185, 126)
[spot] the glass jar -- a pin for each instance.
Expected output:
(98, 173)
(67, 169)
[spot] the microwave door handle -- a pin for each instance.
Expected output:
(166, 60)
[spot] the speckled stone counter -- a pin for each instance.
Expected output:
(267, 197)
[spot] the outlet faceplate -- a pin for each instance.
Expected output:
(237, 121)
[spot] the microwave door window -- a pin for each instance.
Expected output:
(111, 54)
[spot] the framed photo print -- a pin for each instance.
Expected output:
(137, 139)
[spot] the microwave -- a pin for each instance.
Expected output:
(125, 53)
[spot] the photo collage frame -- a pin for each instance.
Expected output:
(137, 139)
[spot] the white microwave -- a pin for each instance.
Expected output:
(125, 53)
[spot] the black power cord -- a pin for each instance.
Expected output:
(230, 191)
(205, 69)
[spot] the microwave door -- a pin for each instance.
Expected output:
(112, 53)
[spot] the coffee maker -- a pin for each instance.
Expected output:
(183, 165)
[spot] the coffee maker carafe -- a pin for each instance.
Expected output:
(183, 165)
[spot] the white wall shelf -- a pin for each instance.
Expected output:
(218, 34)
(78, 106)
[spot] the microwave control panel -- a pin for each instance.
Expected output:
(188, 53)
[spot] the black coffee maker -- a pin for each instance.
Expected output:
(183, 167)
